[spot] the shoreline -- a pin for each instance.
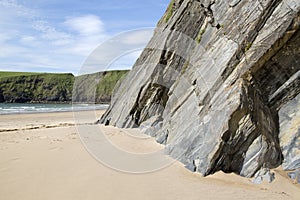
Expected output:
(35, 108)
(52, 163)
(57, 102)
(45, 112)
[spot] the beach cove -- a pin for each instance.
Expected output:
(42, 157)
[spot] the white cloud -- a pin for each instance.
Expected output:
(89, 33)
(8, 50)
(28, 39)
(120, 51)
(86, 25)
(18, 9)
(49, 32)
(31, 42)
(4, 37)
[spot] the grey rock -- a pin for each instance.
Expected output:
(234, 3)
(151, 126)
(215, 87)
(289, 118)
(191, 167)
(263, 175)
(295, 175)
(162, 138)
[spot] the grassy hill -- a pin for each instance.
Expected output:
(20, 87)
(12, 74)
(103, 82)
(24, 87)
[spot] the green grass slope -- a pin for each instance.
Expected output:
(12, 74)
(96, 87)
(27, 87)
(19, 87)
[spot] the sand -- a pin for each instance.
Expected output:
(42, 157)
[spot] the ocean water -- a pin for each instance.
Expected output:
(19, 108)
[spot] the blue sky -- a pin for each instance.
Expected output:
(59, 35)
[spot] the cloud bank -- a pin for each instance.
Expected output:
(29, 41)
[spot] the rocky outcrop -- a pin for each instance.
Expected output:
(211, 82)
(289, 135)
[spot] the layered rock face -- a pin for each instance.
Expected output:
(215, 81)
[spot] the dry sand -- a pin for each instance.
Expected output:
(42, 157)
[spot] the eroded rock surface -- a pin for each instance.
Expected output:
(290, 134)
(211, 82)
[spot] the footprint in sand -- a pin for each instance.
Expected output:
(57, 140)
(15, 159)
(5, 169)
(13, 141)
(55, 148)
(72, 136)
(43, 137)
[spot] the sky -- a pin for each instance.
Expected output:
(61, 35)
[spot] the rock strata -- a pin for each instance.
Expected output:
(211, 82)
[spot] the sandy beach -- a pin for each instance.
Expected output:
(42, 157)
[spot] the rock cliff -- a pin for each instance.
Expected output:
(219, 85)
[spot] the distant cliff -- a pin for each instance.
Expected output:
(96, 87)
(18, 87)
(35, 87)
(219, 85)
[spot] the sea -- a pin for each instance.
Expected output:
(25, 108)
